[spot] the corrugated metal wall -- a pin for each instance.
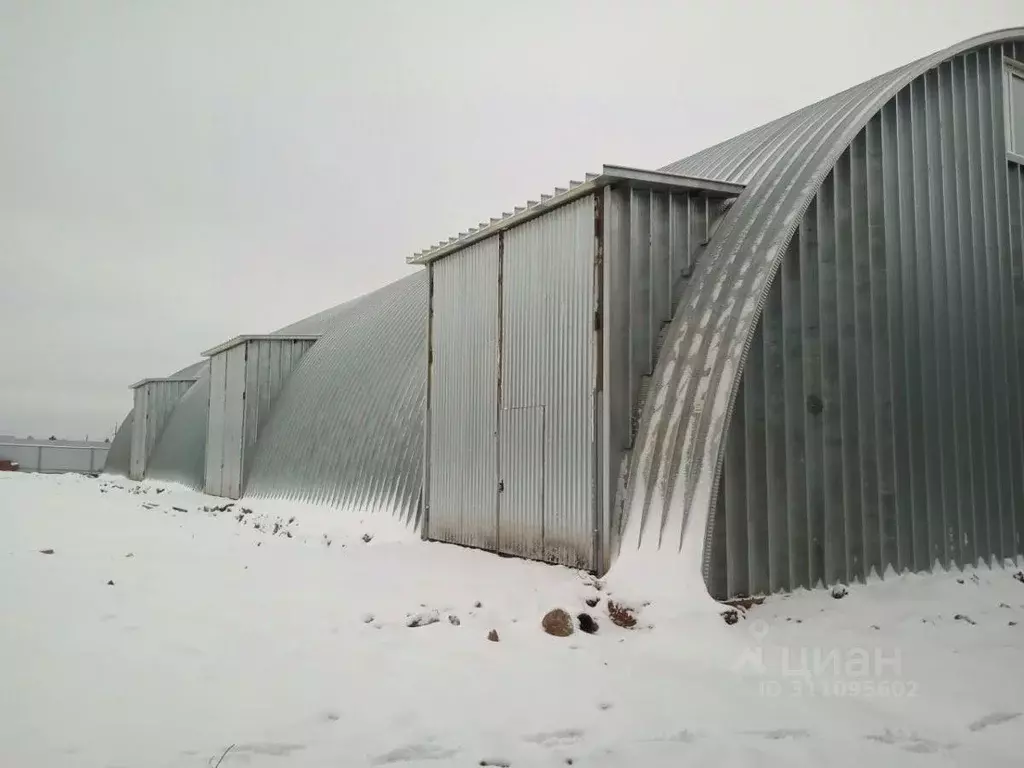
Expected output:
(537, 372)
(225, 425)
(180, 454)
(120, 455)
(269, 363)
(879, 419)
(680, 445)
(244, 383)
(652, 243)
(463, 408)
(546, 510)
(347, 429)
(154, 402)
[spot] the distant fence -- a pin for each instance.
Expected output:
(55, 458)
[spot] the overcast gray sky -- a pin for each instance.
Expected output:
(177, 172)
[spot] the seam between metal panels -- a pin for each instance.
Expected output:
(427, 419)
(499, 372)
(597, 480)
(904, 77)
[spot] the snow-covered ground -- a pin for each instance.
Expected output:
(290, 641)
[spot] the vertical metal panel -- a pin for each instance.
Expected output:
(225, 426)
(794, 508)
(1000, 322)
(268, 365)
(214, 474)
(615, 338)
(246, 380)
(923, 351)
(137, 466)
(257, 357)
(756, 496)
(906, 275)
(809, 406)
(680, 247)
(652, 243)
(734, 502)
(900, 541)
(881, 527)
(976, 284)
(234, 415)
(547, 361)
(119, 455)
(180, 453)
(830, 406)
(1015, 184)
(462, 507)
(521, 499)
(847, 342)
(869, 555)
(1015, 88)
(660, 274)
(957, 425)
(774, 396)
(1008, 415)
(155, 400)
(641, 360)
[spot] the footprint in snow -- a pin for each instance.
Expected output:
(271, 748)
(414, 752)
(996, 718)
(780, 733)
(556, 738)
(908, 742)
(685, 736)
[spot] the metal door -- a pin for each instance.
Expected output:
(521, 482)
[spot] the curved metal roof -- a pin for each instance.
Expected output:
(120, 453)
(347, 428)
(180, 452)
(677, 458)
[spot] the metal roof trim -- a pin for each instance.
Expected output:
(166, 380)
(610, 174)
(234, 342)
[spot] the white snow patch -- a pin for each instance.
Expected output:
(216, 633)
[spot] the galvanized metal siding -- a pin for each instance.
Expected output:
(154, 402)
(652, 242)
(547, 385)
(882, 397)
(137, 461)
(346, 429)
(213, 474)
(120, 454)
(180, 454)
(225, 426)
(268, 366)
(675, 480)
(463, 407)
